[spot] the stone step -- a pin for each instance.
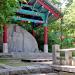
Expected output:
(34, 69)
(5, 55)
(33, 55)
(44, 74)
(27, 55)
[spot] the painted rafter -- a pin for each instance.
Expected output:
(43, 10)
(49, 8)
(26, 19)
(22, 11)
(30, 12)
(26, 5)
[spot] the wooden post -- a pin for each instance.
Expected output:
(5, 44)
(33, 32)
(56, 54)
(68, 57)
(14, 28)
(46, 39)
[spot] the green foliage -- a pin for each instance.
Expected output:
(7, 8)
(1, 30)
(69, 17)
(67, 28)
(40, 37)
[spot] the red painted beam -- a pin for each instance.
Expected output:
(5, 34)
(46, 39)
(15, 28)
(45, 35)
(48, 8)
(33, 33)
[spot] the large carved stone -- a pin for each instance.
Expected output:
(21, 40)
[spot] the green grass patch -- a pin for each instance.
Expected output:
(14, 63)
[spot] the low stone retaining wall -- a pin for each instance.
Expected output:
(26, 70)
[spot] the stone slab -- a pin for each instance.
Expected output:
(33, 56)
(21, 40)
(64, 68)
(27, 70)
(44, 74)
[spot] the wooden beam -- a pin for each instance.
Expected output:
(32, 13)
(26, 19)
(5, 39)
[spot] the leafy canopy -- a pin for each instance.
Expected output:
(7, 8)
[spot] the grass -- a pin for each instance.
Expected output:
(14, 63)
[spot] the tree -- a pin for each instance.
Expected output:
(7, 8)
